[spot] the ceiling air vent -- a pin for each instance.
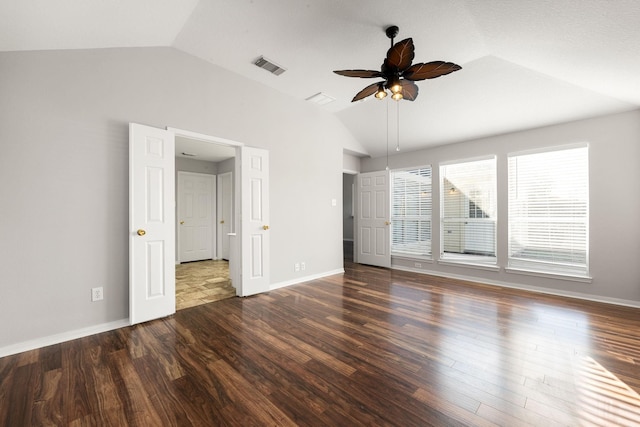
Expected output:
(268, 65)
(321, 98)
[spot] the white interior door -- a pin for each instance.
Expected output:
(196, 195)
(254, 220)
(372, 219)
(225, 213)
(151, 223)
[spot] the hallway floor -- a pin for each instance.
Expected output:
(201, 282)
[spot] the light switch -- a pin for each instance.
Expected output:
(334, 202)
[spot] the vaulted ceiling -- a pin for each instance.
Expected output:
(524, 63)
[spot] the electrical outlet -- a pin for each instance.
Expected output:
(303, 266)
(296, 267)
(418, 265)
(97, 294)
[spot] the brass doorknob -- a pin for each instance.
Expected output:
(222, 222)
(265, 227)
(141, 232)
(387, 222)
(181, 222)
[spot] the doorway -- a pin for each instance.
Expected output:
(152, 220)
(204, 218)
(348, 216)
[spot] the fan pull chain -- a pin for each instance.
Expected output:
(398, 128)
(387, 134)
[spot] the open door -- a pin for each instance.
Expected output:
(151, 223)
(372, 221)
(254, 221)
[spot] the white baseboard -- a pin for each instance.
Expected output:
(482, 281)
(59, 338)
(305, 279)
(105, 327)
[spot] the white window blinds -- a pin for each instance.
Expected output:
(411, 212)
(548, 211)
(469, 208)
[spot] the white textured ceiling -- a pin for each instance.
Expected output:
(205, 151)
(524, 63)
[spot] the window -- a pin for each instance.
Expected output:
(475, 211)
(468, 194)
(411, 212)
(548, 211)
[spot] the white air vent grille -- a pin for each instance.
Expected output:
(321, 98)
(269, 65)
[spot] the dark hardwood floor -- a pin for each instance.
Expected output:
(373, 347)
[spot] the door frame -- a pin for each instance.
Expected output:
(179, 177)
(241, 254)
(235, 252)
(219, 240)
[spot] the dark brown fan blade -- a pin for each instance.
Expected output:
(409, 90)
(400, 55)
(367, 91)
(365, 74)
(430, 70)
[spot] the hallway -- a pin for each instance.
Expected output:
(202, 282)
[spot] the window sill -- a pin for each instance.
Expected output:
(571, 277)
(468, 264)
(412, 257)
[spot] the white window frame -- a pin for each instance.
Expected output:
(530, 266)
(462, 259)
(397, 218)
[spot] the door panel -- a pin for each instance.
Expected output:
(255, 220)
(151, 223)
(195, 216)
(372, 220)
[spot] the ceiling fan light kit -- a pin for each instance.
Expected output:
(398, 73)
(381, 93)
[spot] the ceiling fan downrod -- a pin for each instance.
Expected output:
(392, 32)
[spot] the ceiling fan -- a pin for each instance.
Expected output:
(397, 72)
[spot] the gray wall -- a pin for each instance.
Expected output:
(228, 165)
(64, 174)
(614, 162)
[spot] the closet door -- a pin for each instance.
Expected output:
(373, 231)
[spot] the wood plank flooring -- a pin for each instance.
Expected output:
(371, 347)
(202, 282)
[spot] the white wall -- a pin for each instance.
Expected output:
(64, 174)
(614, 162)
(350, 163)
